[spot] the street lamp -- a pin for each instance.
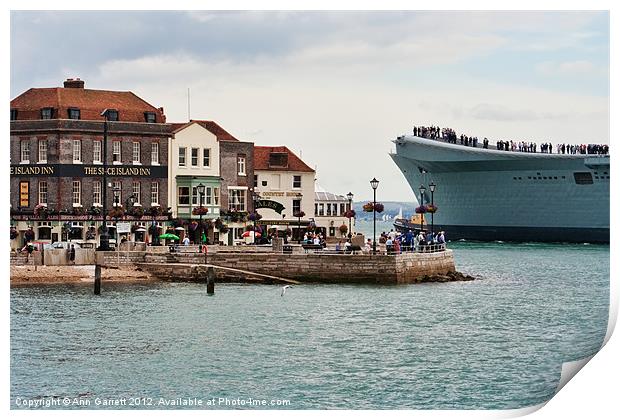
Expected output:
(104, 239)
(129, 203)
(117, 199)
(422, 191)
(255, 198)
(350, 197)
(374, 184)
(201, 193)
(432, 187)
(299, 214)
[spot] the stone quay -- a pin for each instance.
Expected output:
(403, 268)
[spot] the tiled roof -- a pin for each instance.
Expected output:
(294, 163)
(211, 126)
(91, 103)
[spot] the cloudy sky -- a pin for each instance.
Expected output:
(337, 87)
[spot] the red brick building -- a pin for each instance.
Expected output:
(56, 154)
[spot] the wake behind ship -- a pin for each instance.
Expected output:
(488, 194)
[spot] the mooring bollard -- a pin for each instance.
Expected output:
(97, 279)
(210, 281)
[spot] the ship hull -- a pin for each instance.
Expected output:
(509, 196)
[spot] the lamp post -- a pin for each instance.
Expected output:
(255, 197)
(129, 203)
(299, 219)
(201, 193)
(432, 187)
(104, 239)
(116, 192)
(350, 197)
(422, 191)
(374, 184)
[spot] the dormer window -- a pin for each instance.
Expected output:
(46, 113)
(13, 114)
(149, 117)
(112, 115)
(74, 113)
(278, 160)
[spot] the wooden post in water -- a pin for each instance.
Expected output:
(97, 279)
(210, 281)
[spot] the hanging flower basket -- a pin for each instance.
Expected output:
(379, 207)
(14, 233)
(29, 235)
(200, 211)
(95, 211)
(79, 211)
(343, 229)
(368, 207)
(349, 214)
(136, 211)
(41, 212)
(431, 208)
(420, 209)
(299, 214)
(117, 212)
(155, 211)
(90, 233)
(254, 217)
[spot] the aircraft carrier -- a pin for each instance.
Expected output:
(496, 195)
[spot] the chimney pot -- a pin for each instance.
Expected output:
(74, 83)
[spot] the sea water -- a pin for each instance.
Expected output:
(494, 343)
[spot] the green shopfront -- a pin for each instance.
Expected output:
(197, 207)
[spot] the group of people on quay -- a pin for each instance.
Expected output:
(449, 135)
(397, 243)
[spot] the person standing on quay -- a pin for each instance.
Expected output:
(72, 254)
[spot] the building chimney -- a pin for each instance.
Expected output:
(74, 83)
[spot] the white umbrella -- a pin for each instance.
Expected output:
(179, 228)
(140, 230)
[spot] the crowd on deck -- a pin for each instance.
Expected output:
(450, 136)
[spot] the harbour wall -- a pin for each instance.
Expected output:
(311, 267)
(327, 268)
